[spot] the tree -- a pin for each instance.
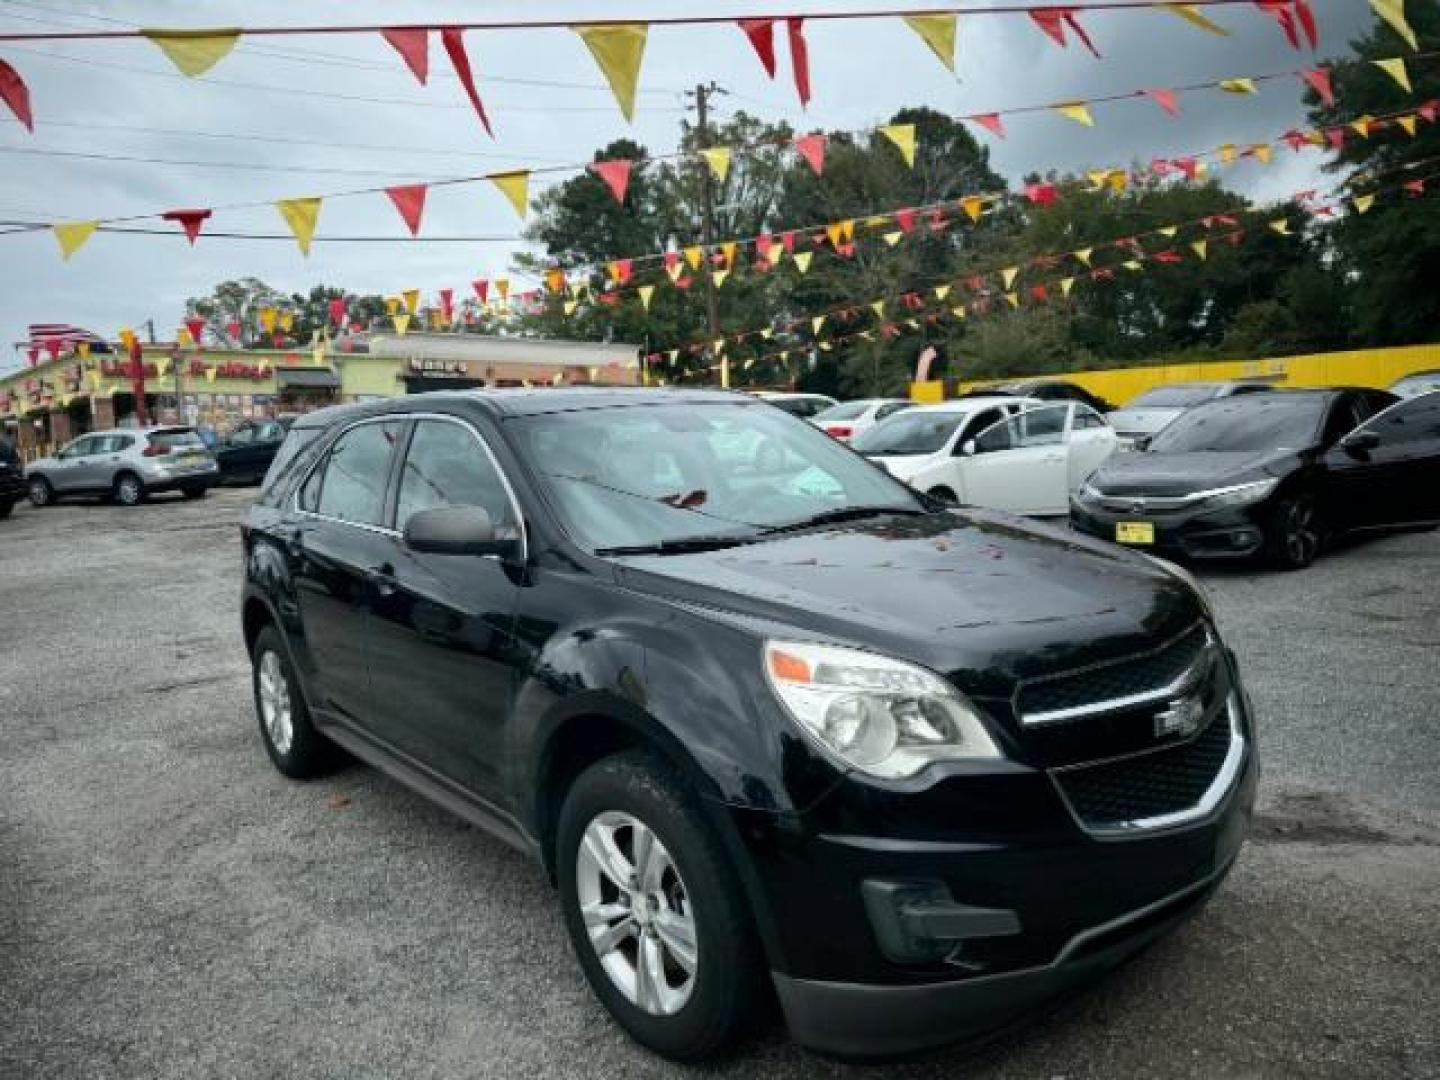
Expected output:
(240, 301)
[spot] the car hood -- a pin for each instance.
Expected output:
(903, 468)
(1184, 474)
(1141, 421)
(988, 598)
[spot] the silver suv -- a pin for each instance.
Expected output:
(126, 465)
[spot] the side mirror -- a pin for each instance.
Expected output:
(1357, 442)
(457, 530)
(968, 448)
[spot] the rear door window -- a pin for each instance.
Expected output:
(357, 471)
(286, 464)
(1416, 420)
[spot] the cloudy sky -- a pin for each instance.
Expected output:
(286, 117)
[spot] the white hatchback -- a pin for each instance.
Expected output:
(1011, 454)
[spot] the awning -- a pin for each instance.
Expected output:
(313, 378)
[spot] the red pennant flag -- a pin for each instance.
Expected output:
(16, 95)
(1296, 140)
(1336, 137)
(1165, 99)
(1166, 257)
(1307, 22)
(799, 58)
(337, 310)
(1040, 194)
(196, 327)
(812, 149)
(454, 41)
(788, 240)
(190, 221)
(447, 303)
(52, 346)
(482, 289)
(409, 199)
(761, 33)
(277, 338)
(1054, 20)
(671, 259)
(990, 122)
(233, 329)
(1037, 291)
(413, 45)
(1429, 110)
(1159, 166)
(905, 220)
(622, 270)
(32, 355)
(1280, 11)
(1188, 166)
(763, 243)
(685, 282)
(1415, 187)
(1319, 78)
(616, 175)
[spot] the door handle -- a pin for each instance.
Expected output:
(382, 579)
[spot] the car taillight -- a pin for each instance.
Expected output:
(836, 431)
(155, 451)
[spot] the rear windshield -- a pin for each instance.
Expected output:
(176, 439)
(1173, 397)
(290, 454)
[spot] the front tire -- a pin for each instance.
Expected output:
(944, 495)
(129, 490)
(655, 913)
(1296, 533)
(294, 745)
(5, 508)
(194, 492)
(40, 491)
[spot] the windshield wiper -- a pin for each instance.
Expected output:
(679, 545)
(845, 513)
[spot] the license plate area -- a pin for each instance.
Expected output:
(1135, 532)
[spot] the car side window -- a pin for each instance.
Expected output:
(81, 447)
(1345, 417)
(446, 466)
(119, 443)
(891, 407)
(1043, 427)
(1416, 420)
(1086, 417)
(242, 436)
(356, 472)
(978, 423)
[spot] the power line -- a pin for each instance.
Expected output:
(245, 166)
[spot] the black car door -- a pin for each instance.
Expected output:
(443, 659)
(1398, 454)
(335, 538)
(1350, 495)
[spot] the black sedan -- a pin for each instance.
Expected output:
(1273, 475)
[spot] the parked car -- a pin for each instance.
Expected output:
(1148, 413)
(245, 454)
(917, 770)
(850, 418)
(1416, 383)
(1044, 390)
(801, 405)
(999, 453)
(1272, 475)
(127, 465)
(12, 477)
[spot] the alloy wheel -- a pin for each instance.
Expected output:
(275, 709)
(128, 490)
(637, 913)
(39, 492)
(1302, 532)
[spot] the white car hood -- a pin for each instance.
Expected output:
(1141, 421)
(905, 468)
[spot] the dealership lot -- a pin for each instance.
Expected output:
(171, 906)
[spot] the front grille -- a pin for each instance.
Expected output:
(1090, 688)
(1117, 793)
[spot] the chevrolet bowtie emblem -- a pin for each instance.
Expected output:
(1181, 719)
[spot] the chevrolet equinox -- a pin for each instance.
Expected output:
(776, 726)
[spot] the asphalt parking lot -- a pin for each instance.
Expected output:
(170, 906)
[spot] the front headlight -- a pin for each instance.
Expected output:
(1090, 493)
(1240, 494)
(884, 717)
(1177, 571)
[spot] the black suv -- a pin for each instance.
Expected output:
(764, 714)
(12, 477)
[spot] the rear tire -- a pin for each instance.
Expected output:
(680, 915)
(1296, 533)
(40, 491)
(297, 749)
(5, 508)
(129, 490)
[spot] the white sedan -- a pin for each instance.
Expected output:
(1000, 453)
(850, 418)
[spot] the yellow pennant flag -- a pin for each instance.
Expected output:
(412, 300)
(802, 260)
(903, 136)
(718, 158)
(1066, 284)
(815, 324)
(1119, 179)
(1083, 255)
(392, 305)
(942, 291)
(1168, 230)
(878, 306)
(836, 232)
(211, 373)
(1237, 86)
(645, 292)
(162, 366)
(972, 205)
(1013, 299)
(958, 311)
(719, 345)
(82, 350)
(1363, 203)
(515, 186)
(401, 321)
(728, 249)
(1227, 154)
(569, 307)
(1097, 178)
(1281, 226)
(71, 235)
(693, 255)
(893, 238)
(1393, 12)
(1131, 264)
(287, 320)
(1361, 125)
(1201, 249)
(1396, 70)
(1262, 152)
(301, 215)
(719, 277)
(95, 379)
(502, 286)
(194, 52)
(1191, 14)
(618, 49)
(937, 31)
(674, 271)
(1077, 111)
(317, 357)
(1408, 123)
(268, 315)
(1008, 275)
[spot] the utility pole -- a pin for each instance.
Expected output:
(703, 93)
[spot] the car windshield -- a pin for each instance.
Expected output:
(915, 431)
(846, 410)
(652, 475)
(1173, 397)
(1249, 423)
